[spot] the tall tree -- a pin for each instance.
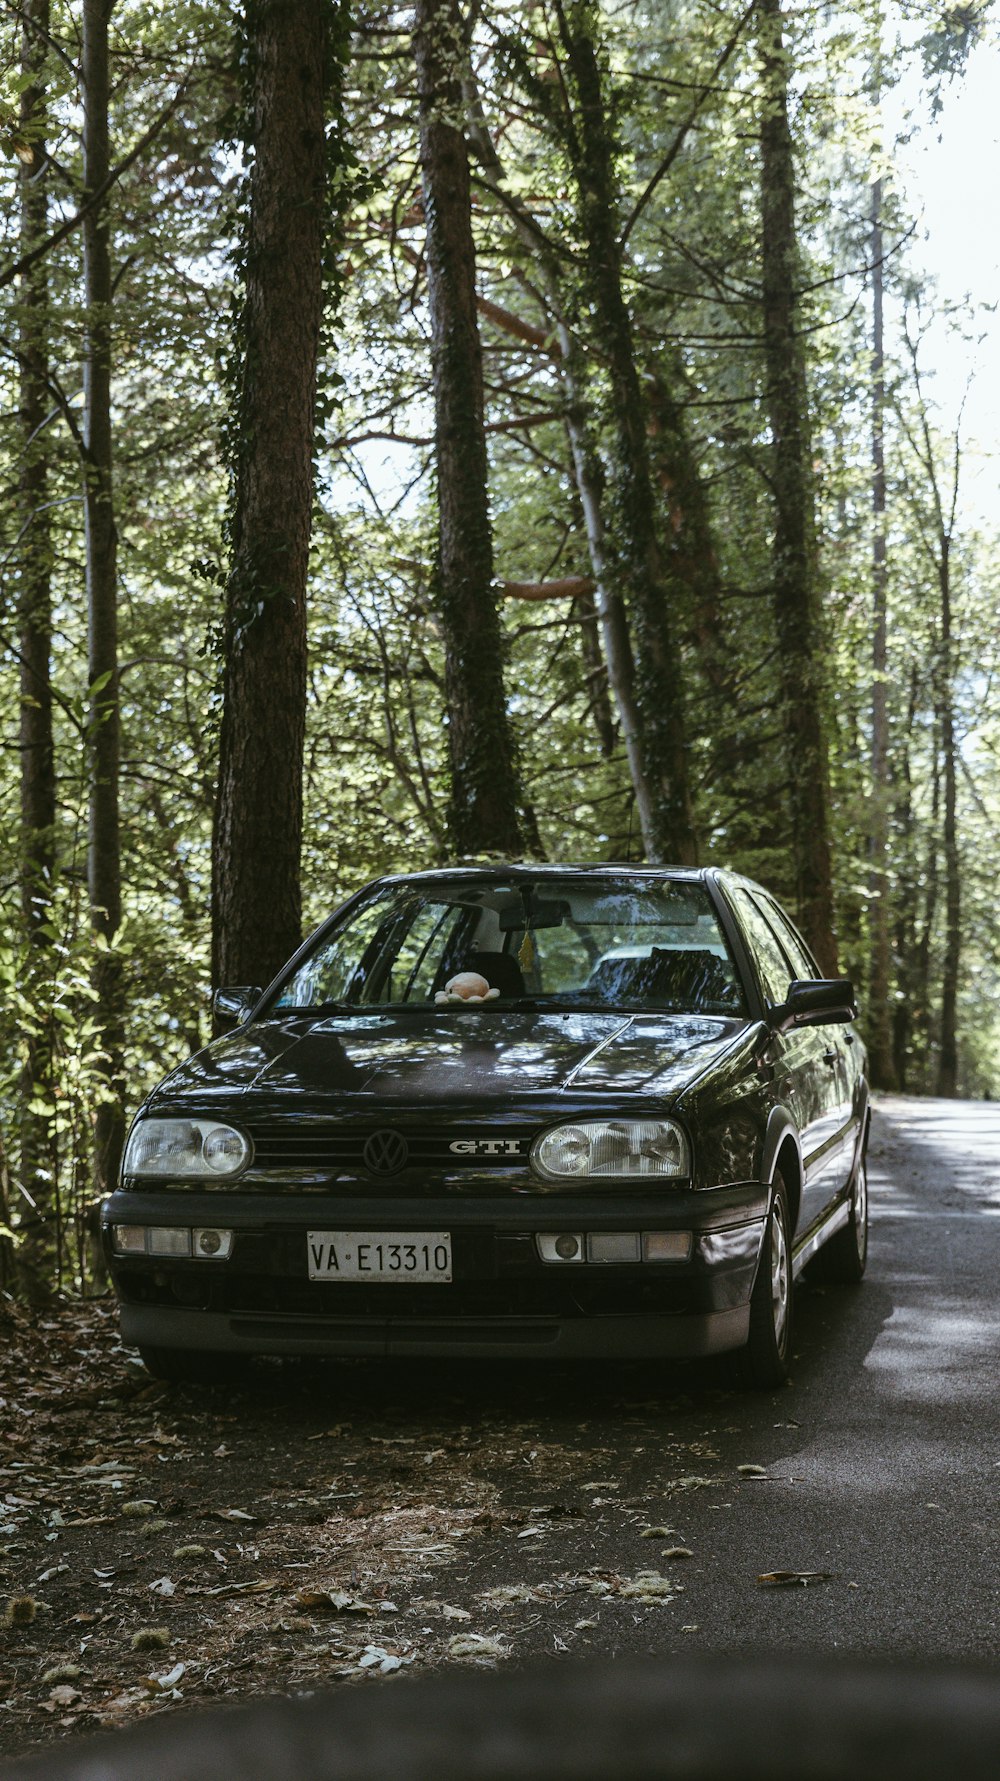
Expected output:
(794, 567)
(486, 797)
(38, 786)
(879, 1015)
(935, 508)
(633, 529)
(256, 894)
(104, 849)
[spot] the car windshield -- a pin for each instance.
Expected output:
(610, 942)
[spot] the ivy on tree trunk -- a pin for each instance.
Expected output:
(38, 784)
(486, 798)
(104, 723)
(880, 1052)
(256, 897)
(631, 525)
(794, 569)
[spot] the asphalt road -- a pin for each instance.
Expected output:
(881, 1458)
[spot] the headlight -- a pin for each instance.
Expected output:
(612, 1147)
(185, 1149)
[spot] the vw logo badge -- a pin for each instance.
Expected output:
(385, 1153)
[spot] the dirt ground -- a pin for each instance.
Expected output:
(164, 1545)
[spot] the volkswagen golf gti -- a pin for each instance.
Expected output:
(524, 1111)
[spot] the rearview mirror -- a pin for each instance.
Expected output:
(820, 1002)
(540, 914)
(230, 1006)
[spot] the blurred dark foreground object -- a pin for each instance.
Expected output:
(676, 1719)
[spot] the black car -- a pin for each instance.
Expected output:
(534, 1110)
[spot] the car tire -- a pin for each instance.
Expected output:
(842, 1260)
(763, 1364)
(192, 1366)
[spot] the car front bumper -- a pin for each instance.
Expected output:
(503, 1300)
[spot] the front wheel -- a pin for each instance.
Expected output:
(763, 1363)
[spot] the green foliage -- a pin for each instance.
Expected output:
(681, 86)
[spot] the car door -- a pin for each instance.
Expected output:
(839, 1051)
(803, 1075)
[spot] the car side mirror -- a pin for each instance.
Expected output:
(230, 1006)
(820, 1002)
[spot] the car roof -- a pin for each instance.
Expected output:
(550, 869)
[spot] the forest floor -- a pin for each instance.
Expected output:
(164, 1544)
(343, 1523)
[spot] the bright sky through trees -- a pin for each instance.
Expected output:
(950, 171)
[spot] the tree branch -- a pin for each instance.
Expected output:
(96, 198)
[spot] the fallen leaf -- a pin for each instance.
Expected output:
(337, 1600)
(376, 1657)
(262, 1586)
(233, 1515)
(509, 1594)
(163, 1586)
(171, 1679)
(788, 1577)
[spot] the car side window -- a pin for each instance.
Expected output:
(417, 965)
(775, 970)
(802, 963)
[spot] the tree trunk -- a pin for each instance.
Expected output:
(256, 894)
(881, 1063)
(796, 597)
(612, 617)
(690, 548)
(38, 789)
(104, 852)
(649, 590)
(587, 467)
(947, 1075)
(921, 1017)
(908, 877)
(485, 785)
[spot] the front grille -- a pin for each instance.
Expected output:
(335, 1147)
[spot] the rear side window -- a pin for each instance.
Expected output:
(774, 968)
(803, 964)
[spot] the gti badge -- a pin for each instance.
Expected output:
(485, 1147)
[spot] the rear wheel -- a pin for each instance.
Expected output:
(763, 1363)
(192, 1366)
(842, 1260)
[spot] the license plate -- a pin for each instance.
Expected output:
(379, 1255)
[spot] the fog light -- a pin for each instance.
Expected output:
(567, 1246)
(213, 1243)
(168, 1240)
(666, 1246)
(128, 1239)
(613, 1246)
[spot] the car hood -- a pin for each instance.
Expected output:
(458, 1055)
